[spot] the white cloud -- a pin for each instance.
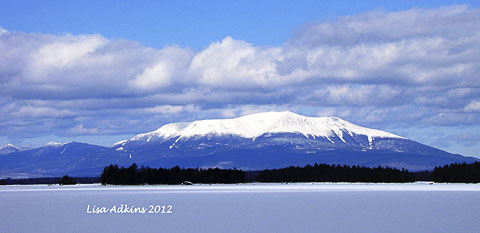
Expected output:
(473, 106)
(375, 26)
(166, 109)
(355, 94)
(419, 65)
(3, 30)
(38, 111)
(67, 49)
(377, 47)
(235, 63)
(168, 69)
(229, 113)
(159, 75)
(81, 130)
(246, 109)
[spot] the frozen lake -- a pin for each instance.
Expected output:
(418, 207)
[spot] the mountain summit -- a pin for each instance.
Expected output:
(256, 125)
(261, 130)
(8, 148)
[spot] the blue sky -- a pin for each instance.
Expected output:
(189, 23)
(103, 71)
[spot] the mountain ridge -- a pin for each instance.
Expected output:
(253, 142)
(8, 148)
(255, 125)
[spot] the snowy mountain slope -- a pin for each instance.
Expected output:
(254, 125)
(9, 148)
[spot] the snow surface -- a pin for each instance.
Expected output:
(255, 125)
(9, 145)
(318, 207)
(119, 143)
(9, 148)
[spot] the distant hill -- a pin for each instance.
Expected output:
(9, 148)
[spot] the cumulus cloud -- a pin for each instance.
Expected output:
(81, 130)
(168, 69)
(64, 51)
(419, 66)
(235, 63)
(379, 26)
(473, 106)
(2, 31)
(356, 94)
(42, 66)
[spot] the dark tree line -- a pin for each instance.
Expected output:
(67, 180)
(335, 173)
(457, 173)
(465, 173)
(317, 173)
(453, 173)
(176, 175)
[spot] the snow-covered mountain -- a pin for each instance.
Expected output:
(257, 141)
(257, 125)
(8, 148)
(278, 139)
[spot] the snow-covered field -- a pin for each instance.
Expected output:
(419, 207)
